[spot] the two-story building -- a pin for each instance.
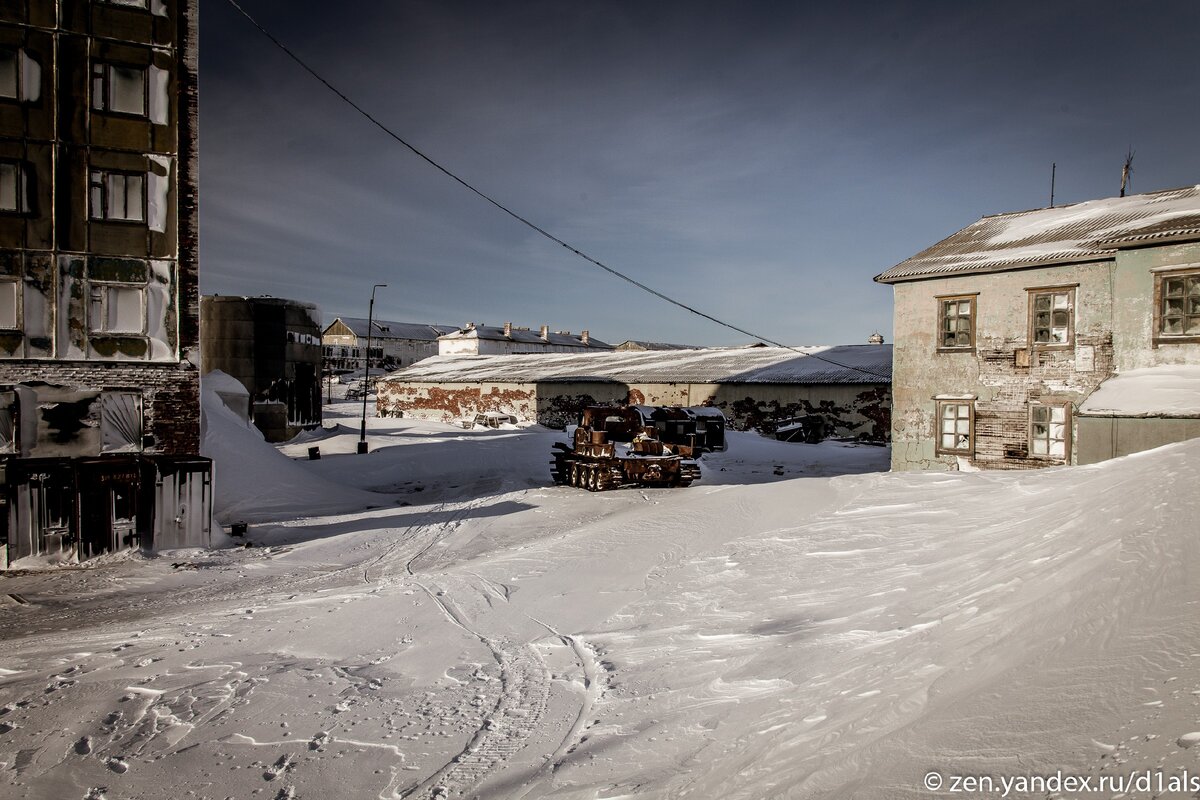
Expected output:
(509, 339)
(394, 345)
(1004, 330)
(99, 290)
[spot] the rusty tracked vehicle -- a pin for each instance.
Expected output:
(616, 446)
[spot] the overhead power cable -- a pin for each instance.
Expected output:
(462, 182)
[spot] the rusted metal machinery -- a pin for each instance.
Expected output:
(616, 446)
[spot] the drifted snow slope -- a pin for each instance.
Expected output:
(760, 634)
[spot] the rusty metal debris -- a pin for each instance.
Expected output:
(618, 446)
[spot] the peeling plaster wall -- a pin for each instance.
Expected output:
(1133, 316)
(1003, 390)
(852, 410)
(65, 259)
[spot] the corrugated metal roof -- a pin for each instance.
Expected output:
(385, 329)
(526, 336)
(635, 344)
(868, 363)
(1089, 231)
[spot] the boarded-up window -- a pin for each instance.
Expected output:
(1049, 431)
(9, 312)
(954, 431)
(13, 192)
(118, 196)
(119, 89)
(120, 422)
(117, 308)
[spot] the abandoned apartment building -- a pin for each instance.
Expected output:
(99, 392)
(393, 344)
(272, 346)
(836, 391)
(1062, 335)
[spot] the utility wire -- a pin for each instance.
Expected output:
(303, 65)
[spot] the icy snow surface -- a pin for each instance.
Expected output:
(792, 625)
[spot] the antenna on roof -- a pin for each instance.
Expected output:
(1053, 167)
(1126, 170)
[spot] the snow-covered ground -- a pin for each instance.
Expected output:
(796, 624)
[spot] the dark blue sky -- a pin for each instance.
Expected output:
(761, 161)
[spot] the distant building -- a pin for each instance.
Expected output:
(1006, 329)
(637, 346)
(273, 347)
(835, 391)
(484, 340)
(99, 286)
(393, 344)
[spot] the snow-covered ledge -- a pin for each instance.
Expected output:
(1167, 391)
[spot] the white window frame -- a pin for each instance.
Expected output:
(100, 308)
(109, 194)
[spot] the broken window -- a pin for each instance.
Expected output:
(10, 315)
(1179, 305)
(13, 188)
(119, 89)
(1049, 431)
(118, 196)
(957, 323)
(117, 308)
(120, 422)
(1052, 316)
(9, 73)
(955, 423)
(8, 423)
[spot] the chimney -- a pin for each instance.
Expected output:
(583, 337)
(545, 333)
(508, 329)
(875, 338)
(470, 326)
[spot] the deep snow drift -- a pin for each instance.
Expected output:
(771, 631)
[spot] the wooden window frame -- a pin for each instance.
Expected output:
(1033, 293)
(1157, 336)
(18, 303)
(942, 300)
(1068, 422)
(939, 404)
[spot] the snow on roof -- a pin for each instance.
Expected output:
(804, 365)
(385, 329)
(1168, 391)
(637, 344)
(526, 336)
(1089, 231)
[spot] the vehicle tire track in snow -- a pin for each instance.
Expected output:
(506, 730)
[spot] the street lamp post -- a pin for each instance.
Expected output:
(362, 439)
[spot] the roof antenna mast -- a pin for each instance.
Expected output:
(1126, 171)
(1053, 167)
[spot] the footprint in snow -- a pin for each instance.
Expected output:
(118, 765)
(84, 746)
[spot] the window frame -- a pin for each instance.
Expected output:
(21, 190)
(941, 403)
(105, 79)
(1066, 423)
(94, 320)
(106, 196)
(16, 93)
(942, 300)
(18, 299)
(1031, 331)
(1157, 335)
